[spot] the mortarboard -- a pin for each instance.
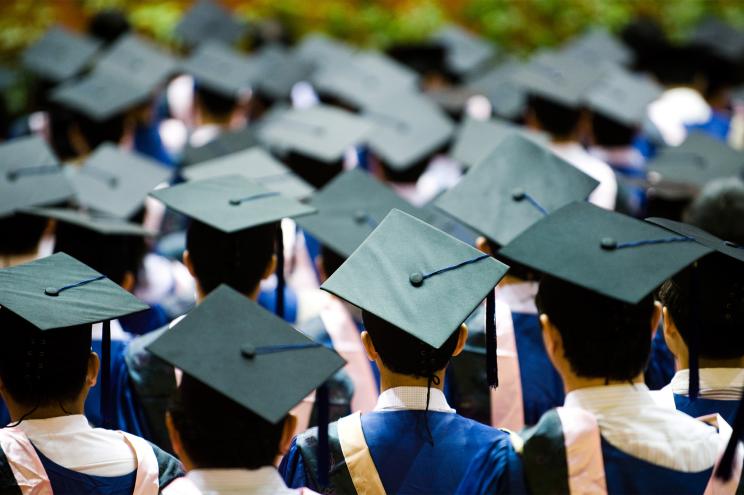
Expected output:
(8, 78)
(320, 132)
(559, 78)
(720, 38)
(224, 144)
(59, 54)
(318, 49)
(134, 58)
(622, 96)
(207, 20)
(514, 187)
(683, 170)
(281, 69)
(476, 139)
(115, 181)
(508, 99)
(222, 69)
(30, 175)
(407, 129)
(466, 53)
(93, 221)
(598, 46)
(100, 95)
(423, 57)
(255, 164)
(452, 99)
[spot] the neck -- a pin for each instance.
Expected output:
(390, 379)
(8, 260)
(253, 295)
(574, 382)
(18, 411)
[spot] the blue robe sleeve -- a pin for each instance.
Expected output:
(292, 468)
(496, 469)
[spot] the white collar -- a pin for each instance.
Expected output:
(715, 383)
(412, 399)
(520, 297)
(602, 398)
(625, 156)
(74, 423)
(264, 480)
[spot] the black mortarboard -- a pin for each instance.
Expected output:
(559, 78)
(720, 38)
(134, 58)
(321, 132)
(515, 186)
(425, 57)
(115, 181)
(257, 165)
(598, 46)
(605, 252)
(281, 70)
(30, 175)
(251, 356)
(207, 20)
(407, 129)
(59, 54)
(622, 96)
(100, 95)
(466, 53)
(225, 143)
(452, 99)
(683, 170)
(222, 69)
(508, 99)
(95, 222)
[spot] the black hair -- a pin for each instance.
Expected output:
(238, 259)
(517, 270)
(21, 233)
(331, 260)
(555, 119)
(410, 174)
(314, 172)
(719, 299)
(96, 132)
(602, 337)
(215, 103)
(719, 209)
(40, 368)
(610, 133)
(217, 432)
(108, 25)
(110, 255)
(645, 37)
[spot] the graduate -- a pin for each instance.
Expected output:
(415, 286)
(718, 209)
(598, 317)
(46, 371)
(514, 187)
(230, 417)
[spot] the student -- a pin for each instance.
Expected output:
(598, 317)
(719, 208)
(413, 442)
(229, 437)
(47, 368)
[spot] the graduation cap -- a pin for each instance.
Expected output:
(134, 58)
(206, 21)
(255, 359)
(515, 186)
(476, 139)
(58, 292)
(684, 170)
(622, 96)
(222, 69)
(224, 144)
(452, 99)
(8, 78)
(420, 280)
(95, 222)
(508, 99)
(423, 57)
(599, 46)
(321, 132)
(257, 165)
(30, 175)
(59, 54)
(720, 38)
(408, 128)
(466, 52)
(281, 70)
(101, 95)
(115, 181)
(318, 49)
(559, 78)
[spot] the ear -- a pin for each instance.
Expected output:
(288, 432)
(128, 282)
(656, 318)
(175, 436)
(320, 266)
(551, 338)
(77, 141)
(462, 339)
(481, 244)
(672, 337)
(188, 263)
(94, 365)
(270, 267)
(369, 347)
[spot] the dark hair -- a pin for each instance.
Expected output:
(40, 368)
(719, 298)
(405, 354)
(602, 337)
(21, 233)
(554, 118)
(331, 260)
(96, 132)
(314, 172)
(719, 209)
(110, 255)
(219, 433)
(407, 175)
(610, 133)
(516, 269)
(108, 25)
(238, 259)
(215, 103)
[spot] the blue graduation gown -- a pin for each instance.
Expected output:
(703, 407)
(405, 459)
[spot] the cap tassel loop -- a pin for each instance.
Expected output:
(101, 175)
(492, 367)
(252, 197)
(14, 175)
(51, 291)
(107, 410)
(726, 465)
(323, 450)
(521, 195)
(280, 280)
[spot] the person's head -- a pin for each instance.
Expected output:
(560, 121)
(409, 175)
(517, 271)
(314, 172)
(719, 209)
(715, 289)
(210, 431)
(396, 351)
(592, 337)
(44, 370)
(609, 133)
(240, 259)
(21, 234)
(108, 25)
(86, 134)
(328, 262)
(214, 106)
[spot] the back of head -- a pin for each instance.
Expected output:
(214, 103)
(331, 260)
(238, 259)
(108, 25)
(602, 337)
(216, 432)
(21, 233)
(314, 172)
(403, 353)
(609, 133)
(557, 120)
(719, 209)
(41, 368)
(95, 133)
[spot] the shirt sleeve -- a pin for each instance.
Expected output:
(292, 468)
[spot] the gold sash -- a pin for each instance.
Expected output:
(358, 459)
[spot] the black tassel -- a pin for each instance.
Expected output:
(726, 466)
(492, 367)
(694, 343)
(323, 450)
(280, 282)
(107, 412)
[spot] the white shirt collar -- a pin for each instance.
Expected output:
(715, 383)
(520, 297)
(259, 481)
(625, 156)
(74, 423)
(412, 399)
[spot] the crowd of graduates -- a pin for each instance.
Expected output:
(313, 267)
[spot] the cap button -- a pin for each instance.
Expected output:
(235, 202)
(416, 279)
(360, 216)
(248, 351)
(113, 182)
(608, 244)
(518, 194)
(51, 291)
